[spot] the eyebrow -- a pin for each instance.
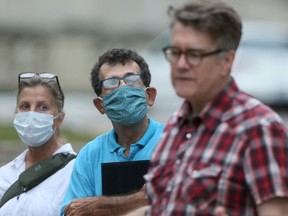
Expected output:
(190, 49)
(128, 73)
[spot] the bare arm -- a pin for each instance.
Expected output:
(220, 211)
(103, 205)
(139, 212)
(274, 207)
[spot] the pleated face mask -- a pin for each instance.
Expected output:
(34, 128)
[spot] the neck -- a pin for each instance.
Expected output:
(198, 104)
(130, 134)
(36, 154)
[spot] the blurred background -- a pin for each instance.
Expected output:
(66, 37)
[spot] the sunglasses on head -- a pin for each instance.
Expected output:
(44, 75)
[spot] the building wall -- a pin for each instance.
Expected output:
(66, 37)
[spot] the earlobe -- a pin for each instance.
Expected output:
(98, 103)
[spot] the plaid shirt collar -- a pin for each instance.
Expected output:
(212, 114)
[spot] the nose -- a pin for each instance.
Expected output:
(33, 107)
(182, 62)
(121, 82)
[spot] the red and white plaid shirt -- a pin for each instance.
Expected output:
(235, 154)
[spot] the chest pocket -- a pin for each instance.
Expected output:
(159, 177)
(200, 185)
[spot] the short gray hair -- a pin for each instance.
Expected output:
(215, 17)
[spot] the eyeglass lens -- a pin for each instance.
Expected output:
(193, 57)
(114, 82)
(173, 54)
(43, 75)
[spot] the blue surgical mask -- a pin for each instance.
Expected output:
(126, 105)
(34, 128)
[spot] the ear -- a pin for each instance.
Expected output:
(151, 93)
(98, 103)
(228, 62)
(60, 119)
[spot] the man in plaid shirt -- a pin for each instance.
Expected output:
(222, 148)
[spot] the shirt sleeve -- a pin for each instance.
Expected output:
(266, 162)
(80, 186)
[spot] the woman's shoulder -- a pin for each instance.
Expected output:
(15, 164)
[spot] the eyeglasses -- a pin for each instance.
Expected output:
(192, 56)
(114, 82)
(44, 75)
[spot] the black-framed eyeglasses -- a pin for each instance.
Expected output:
(192, 56)
(114, 82)
(44, 75)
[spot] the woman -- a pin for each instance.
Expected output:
(38, 116)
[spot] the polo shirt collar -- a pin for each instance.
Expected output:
(114, 146)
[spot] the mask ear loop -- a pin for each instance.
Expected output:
(56, 131)
(55, 117)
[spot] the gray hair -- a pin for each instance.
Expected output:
(218, 19)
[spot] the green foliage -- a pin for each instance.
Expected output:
(76, 138)
(11, 145)
(9, 133)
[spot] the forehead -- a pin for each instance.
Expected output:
(189, 37)
(36, 94)
(119, 70)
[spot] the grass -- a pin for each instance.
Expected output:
(8, 133)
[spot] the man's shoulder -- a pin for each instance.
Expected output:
(98, 142)
(158, 125)
(249, 112)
